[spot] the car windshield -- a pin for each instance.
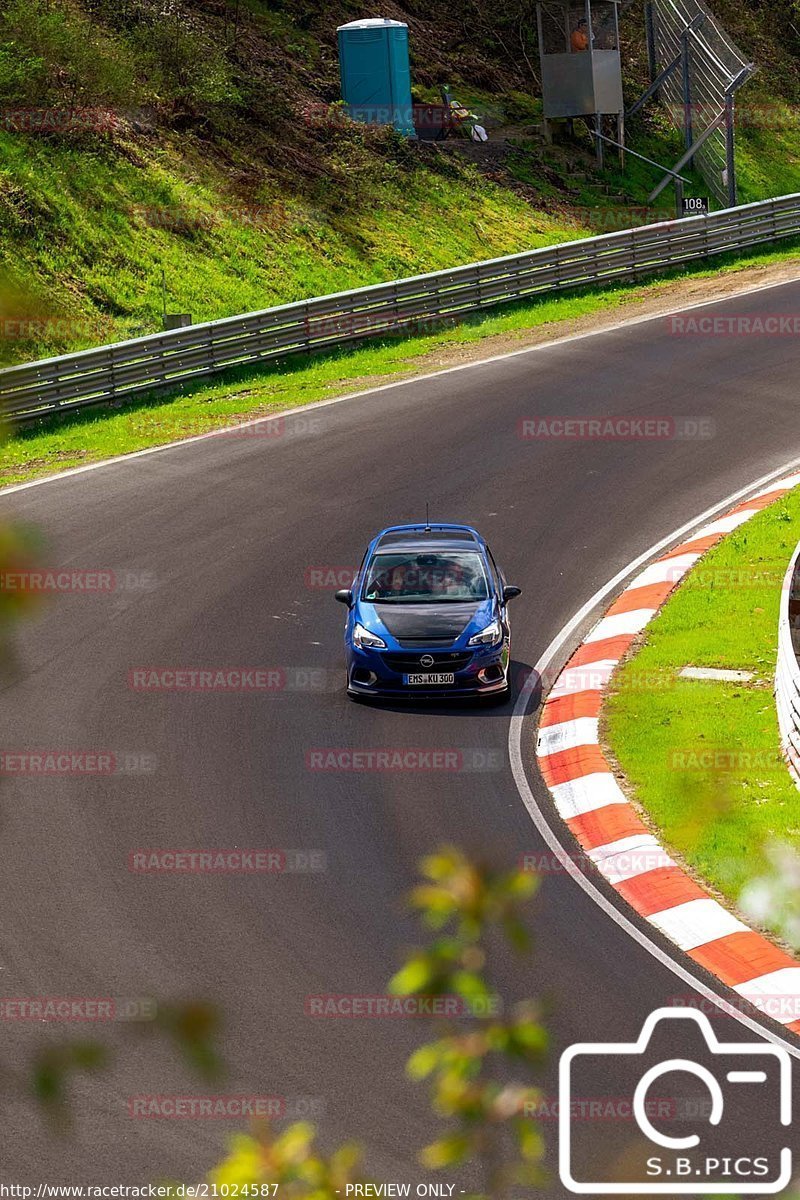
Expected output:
(411, 578)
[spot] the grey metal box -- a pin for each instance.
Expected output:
(579, 85)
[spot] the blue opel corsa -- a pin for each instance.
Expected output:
(427, 616)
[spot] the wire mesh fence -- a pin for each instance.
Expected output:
(715, 69)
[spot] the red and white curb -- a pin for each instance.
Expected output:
(604, 822)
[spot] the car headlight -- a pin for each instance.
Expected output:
(366, 640)
(488, 636)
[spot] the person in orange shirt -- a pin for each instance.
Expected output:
(580, 37)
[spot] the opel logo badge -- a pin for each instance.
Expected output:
(427, 660)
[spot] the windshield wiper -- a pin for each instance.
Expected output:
(427, 600)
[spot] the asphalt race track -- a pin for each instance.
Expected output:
(227, 530)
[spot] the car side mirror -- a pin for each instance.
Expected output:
(511, 593)
(345, 596)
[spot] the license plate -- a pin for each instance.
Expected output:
(429, 679)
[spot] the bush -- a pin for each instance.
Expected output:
(53, 53)
(22, 76)
(183, 64)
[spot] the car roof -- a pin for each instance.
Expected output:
(428, 537)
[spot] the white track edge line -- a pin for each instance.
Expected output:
(565, 858)
(625, 323)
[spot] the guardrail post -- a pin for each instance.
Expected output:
(113, 385)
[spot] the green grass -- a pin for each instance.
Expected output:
(227, 178)
(90, 231)
(85, 437)
(768, 159)
(704, 758)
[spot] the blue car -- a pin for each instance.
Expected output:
(427, 616)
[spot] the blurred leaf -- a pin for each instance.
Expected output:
(53, 1068)
(470, 986)
(193, 1027)
(529, 1140)
(293, 1145)
(415, 976)
(517, 934)
(447, 1152)
(424, 1060)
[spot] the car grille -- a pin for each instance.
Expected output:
(442, 661)
(420, 644)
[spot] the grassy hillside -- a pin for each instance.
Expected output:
(190, 148)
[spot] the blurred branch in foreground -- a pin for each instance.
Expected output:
(470, 1063)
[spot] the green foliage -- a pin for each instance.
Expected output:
(191, 1027)
(182, 63)
(226, 115)
(58, 55)
(97, 433)
(289, 1160)
(52, 1070)
(704, 758)
(19, 547)
(773, 898)
(52, 53)
(21, 75)
(487, 1114)
(463, 903)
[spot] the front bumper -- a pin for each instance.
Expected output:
(485, 674)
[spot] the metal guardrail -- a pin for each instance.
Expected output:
(125, 370)
(787, 676)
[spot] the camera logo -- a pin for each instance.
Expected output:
(703, 1148)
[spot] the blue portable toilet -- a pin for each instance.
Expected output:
(375, 73)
